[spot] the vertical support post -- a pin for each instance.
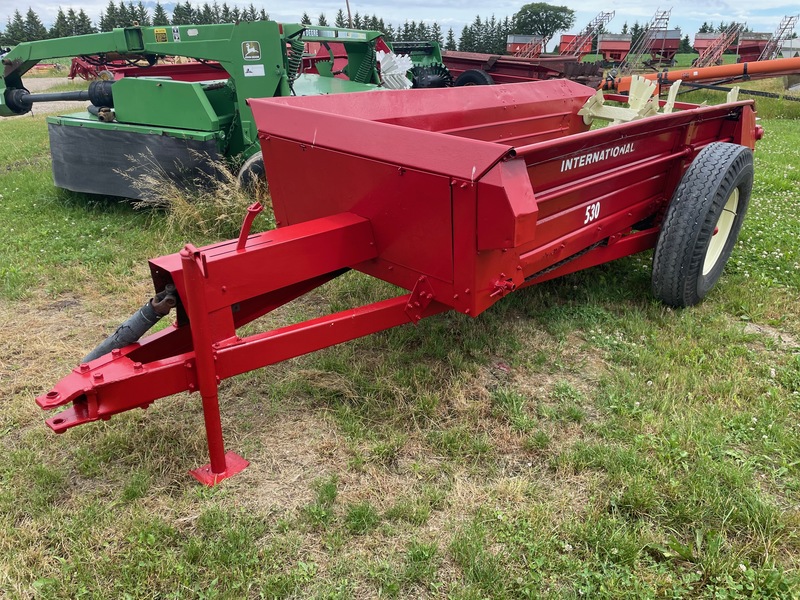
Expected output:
(222, 465)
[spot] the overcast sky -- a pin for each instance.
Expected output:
(688, 15)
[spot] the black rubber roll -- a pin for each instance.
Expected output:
(108, 162)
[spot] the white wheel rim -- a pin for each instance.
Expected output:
(722, 231)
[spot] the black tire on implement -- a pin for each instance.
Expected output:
(702, 224)
(252, 171)
(474, 77)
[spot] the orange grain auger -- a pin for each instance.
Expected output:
(722, 73)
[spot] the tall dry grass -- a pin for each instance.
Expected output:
(210, 203)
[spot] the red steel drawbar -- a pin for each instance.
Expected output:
(459, 196)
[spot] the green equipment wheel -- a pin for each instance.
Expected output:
(702, 224)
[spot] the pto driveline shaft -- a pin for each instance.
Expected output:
(55, 97)
(99, 94)
(137, 324)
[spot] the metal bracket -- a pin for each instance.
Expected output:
(421, 296)
(193, 254)
(244, 233)
(503, 286)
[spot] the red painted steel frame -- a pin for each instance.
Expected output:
(506, 68)
(483, 192)
(220, 291)
(189, 71)
(459, 196)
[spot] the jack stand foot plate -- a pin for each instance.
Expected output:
(233, 464)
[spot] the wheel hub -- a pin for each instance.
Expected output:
(722, 232)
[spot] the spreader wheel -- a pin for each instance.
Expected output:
(474, 77)
(702, 223)
(252, 171)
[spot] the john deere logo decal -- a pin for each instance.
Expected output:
(251, 50)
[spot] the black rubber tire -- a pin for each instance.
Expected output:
(711, 199)
(474, 77)
(252, 171)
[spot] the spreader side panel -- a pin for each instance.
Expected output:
(410, 210)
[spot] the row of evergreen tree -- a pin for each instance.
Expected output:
(483, 35)
(723, 26)
(30, 27)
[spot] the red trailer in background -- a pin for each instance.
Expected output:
(107, 68)
(711, 46)
(458, 197)
(614, 47)
(703, 41)
(525, 45)
(92, 68)
(663, 46)
(568, 40)
(751, 45)
(495, 68)
(180, 71)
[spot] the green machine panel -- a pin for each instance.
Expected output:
(164, 103)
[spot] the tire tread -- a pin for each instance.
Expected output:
(682, 246)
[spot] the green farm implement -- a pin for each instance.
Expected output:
(159, 121)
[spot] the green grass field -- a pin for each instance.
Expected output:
(578, 440)
(681, 59)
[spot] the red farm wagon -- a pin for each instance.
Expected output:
(459, 196)
(614, 47)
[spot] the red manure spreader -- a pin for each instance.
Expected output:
(457, 196)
